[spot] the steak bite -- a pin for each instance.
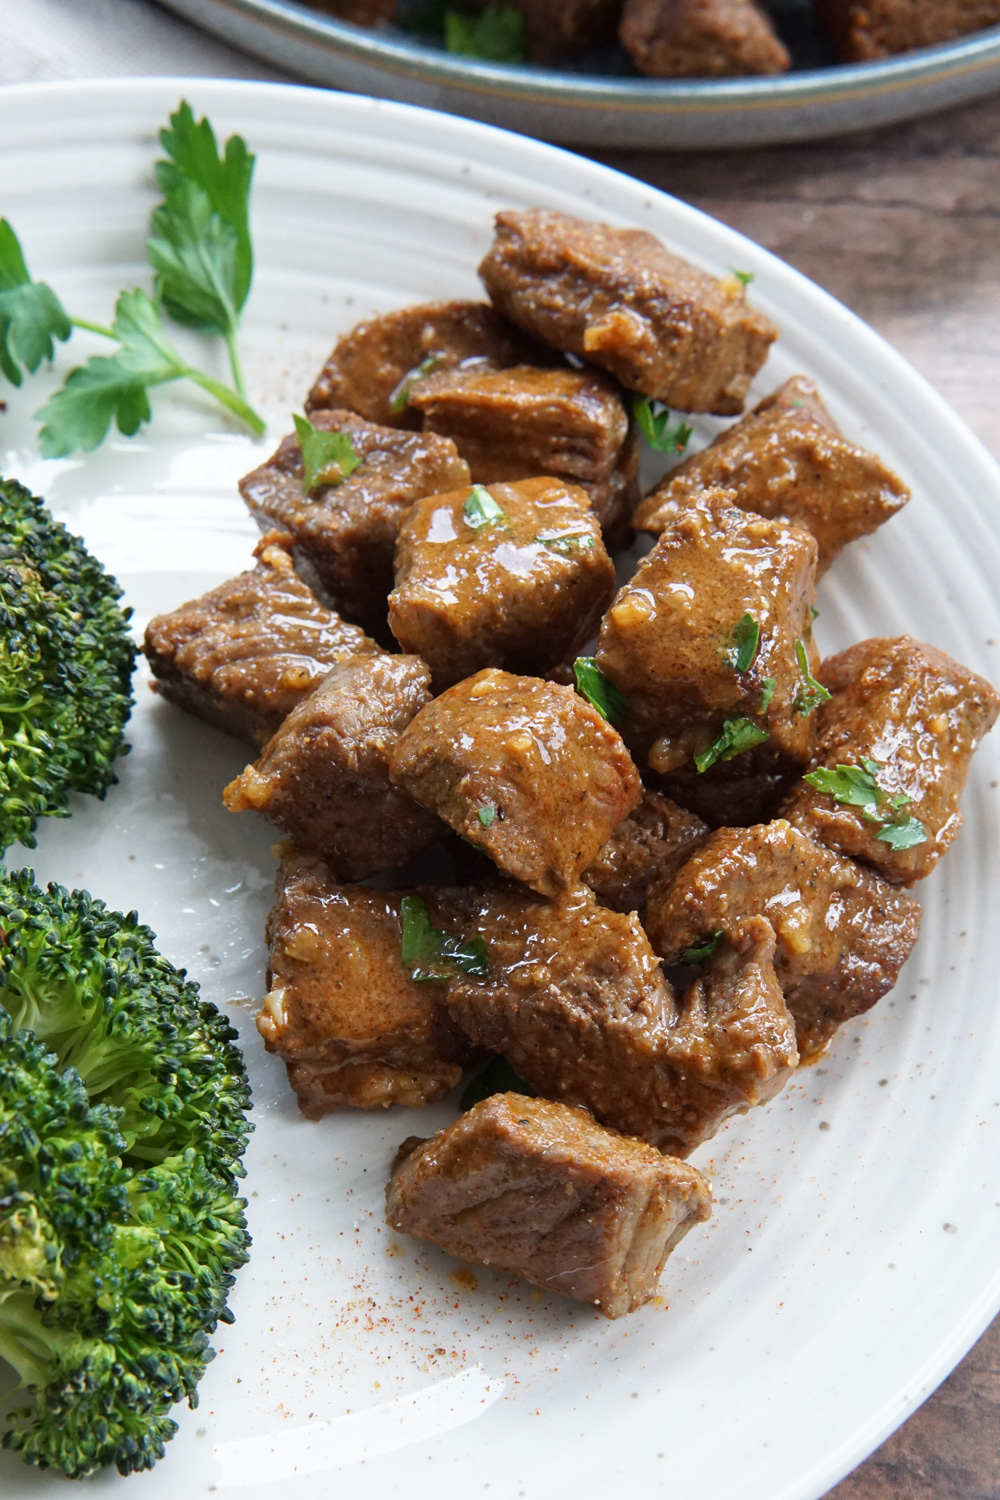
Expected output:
(649, 845)
(350, 1024)
(345, 532)
(786, 458)
(522, 768)
(576, 1001)
(704, 642)
(515, 576)
(324, 776)
(880, 28)
(701, 38)
(842, 934)
(374, 369)
(618, 298)
(244, 654)
(543, 1191)
(893, 749)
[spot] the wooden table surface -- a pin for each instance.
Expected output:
(903, 225)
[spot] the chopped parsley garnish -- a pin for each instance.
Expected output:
(327, 457)
(745, 276)
(432, 955)
(738, 735)
(766, 694)
(701, 951)
(486, 815)
(480, 509)
(655, 426)
(601, 694)
(31, 315)
(400, 398)
(495, 36)
(569, 542)
(810, 693)
(813, 611)
(741, 649)
(858, 786)
(498, 1077)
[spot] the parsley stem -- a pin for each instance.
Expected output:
(229, 399)
(234, 363)
(88, 327)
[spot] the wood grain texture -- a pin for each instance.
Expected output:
(902, 225)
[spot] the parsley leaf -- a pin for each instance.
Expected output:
(569, 542)
(857, 786)
(31, 315)
(701, 951)
(495, 36)
(766, 694)
(486, 815)
(903, 835)
(743, 645)
(480, 509)
(327, 457)
(498, 1077)
(738, 735)
(400, 397)
(433, 955)
(601, 694)
(745, 276)
(811, 693)
(655, 427)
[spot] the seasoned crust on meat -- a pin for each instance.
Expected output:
(619, 299)
(244, 654)
(649, 845)
(786, 458)
(542, 1190)
(880, 28)
(323, 778)
(701, 38)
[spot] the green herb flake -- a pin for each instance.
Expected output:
(498, 1077)
(497, 35)
(486, 815)
(810, 693)
(655, 426)
(400, 398)
(903, 835)
(601, 694)
(433, 956)
(766, 694)
(738, 736)
(741, 649)
(744, 276)
(480, 509)
(569, 543)
(327, 457)
(701, 951)
(31, 315)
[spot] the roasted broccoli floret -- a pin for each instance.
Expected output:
(66, 661)
(122, 1125)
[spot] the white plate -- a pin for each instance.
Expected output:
(852, 1257)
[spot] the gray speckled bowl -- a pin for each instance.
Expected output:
(599, 109)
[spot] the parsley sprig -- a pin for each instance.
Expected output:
(858, 786)
(601, 694)
(480, 509)
(497, 35)
(654, 424)
(698, 952)
(738, 735)
(202, 260)
(327, 457)
(740, 651)
(431, 955)
(810, 693)
(399, 399)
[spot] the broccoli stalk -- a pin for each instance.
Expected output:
(66, 661)
(120, 1225)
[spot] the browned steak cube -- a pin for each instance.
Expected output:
(552, 32)
(346, 532)
(576, 1001)
(892, 753)
(701, 38)
(786, 458)
(324, 776)
(705, 640)
(524, 769)
(732, 794)
(542, 1190)
(842, 933)
(342, 1012)
(880, 28)
(618, 298)
(512, 576)
(244, 654)
(649, 845)
(375, 368)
